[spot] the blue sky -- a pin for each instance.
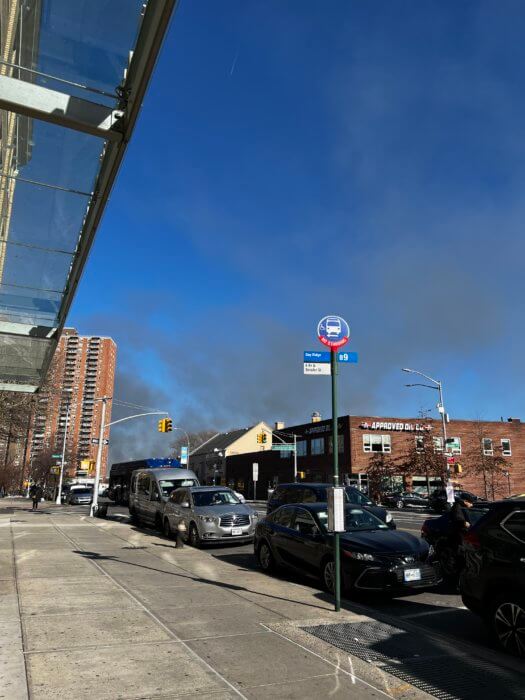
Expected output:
(295, 159)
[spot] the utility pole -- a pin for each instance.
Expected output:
(94, 503)
(59, 494)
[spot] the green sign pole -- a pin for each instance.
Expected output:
(335, 452)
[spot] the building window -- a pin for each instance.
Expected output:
(317, 446)
(301, 448)
(420, 443)
(454, 445)
(438, 444)
(487, 447)
(377, 443)
(505, 447)
(340, 444)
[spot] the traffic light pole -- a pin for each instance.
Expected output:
(335, 452)
(103, 426)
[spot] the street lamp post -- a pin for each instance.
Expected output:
(59, 494)
(103, 426)
(176, 427)
(441, 408)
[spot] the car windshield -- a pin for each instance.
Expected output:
(214, 498)
(355, 496)
(169, 485)
(82, 492)
(356, 520)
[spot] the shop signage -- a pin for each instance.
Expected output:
(405, 427)
(326, 428)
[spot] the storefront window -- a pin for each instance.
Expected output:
(377, 443)
(317, 446)
(340, 442)
(301, 448)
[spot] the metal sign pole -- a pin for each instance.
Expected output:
(335, 452)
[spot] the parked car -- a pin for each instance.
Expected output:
(438, 499)
(316, 493)
(373, 557)
(209, 514)
(438, 532)
(404, 499)
(151, 489)
(78, 496)
(492, 582)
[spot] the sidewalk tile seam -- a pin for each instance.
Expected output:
(60, 650)
(287, 682)
(222, 636)
(74, 611)
(165, 627)
(20, 625)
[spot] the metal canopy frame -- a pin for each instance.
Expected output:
(115, 126)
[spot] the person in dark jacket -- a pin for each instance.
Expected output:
(36, 492)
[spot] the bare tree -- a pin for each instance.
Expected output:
(381, 470)
(424, 458)
(486, 461)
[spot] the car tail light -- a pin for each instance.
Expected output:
(472, 538)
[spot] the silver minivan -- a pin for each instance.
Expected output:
(208, 514)
(151, 489)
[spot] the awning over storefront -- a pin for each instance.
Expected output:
(72, 79)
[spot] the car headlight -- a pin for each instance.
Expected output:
(255, 515)
(388, 518)
(208, 519)
(361, 556)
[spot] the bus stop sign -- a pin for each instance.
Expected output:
(333, 331)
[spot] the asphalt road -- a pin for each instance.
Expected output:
(440, 610)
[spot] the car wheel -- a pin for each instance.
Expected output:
(400, 504)
(265, 557)
(508, 623)
(194, 537)
(167, 528)
(328, 575)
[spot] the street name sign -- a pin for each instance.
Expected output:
(314, 356)
(317, 368)
(255, 474)
(283, 448)
(333, 331)
(56, 456)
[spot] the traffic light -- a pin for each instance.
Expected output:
(458, 468)
(260, 437)
(161, 425)
(264, 437)
(167, 425)
(301, 475)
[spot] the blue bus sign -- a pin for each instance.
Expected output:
(346, 357)
(333, 331)
(313, 356)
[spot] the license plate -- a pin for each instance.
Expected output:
(412, 574)
(236, 531)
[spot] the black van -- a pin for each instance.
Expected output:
(316, 492)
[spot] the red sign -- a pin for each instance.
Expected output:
(451, 460)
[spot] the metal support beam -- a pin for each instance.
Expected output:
(58, 108)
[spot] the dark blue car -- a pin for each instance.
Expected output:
(306, 492)
(373, 557)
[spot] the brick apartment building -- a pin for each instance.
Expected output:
(360, 437)
(82, 370)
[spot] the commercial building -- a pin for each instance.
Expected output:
(208, 461)
(363, 437)
(82, 371)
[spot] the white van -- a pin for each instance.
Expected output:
(150, 490)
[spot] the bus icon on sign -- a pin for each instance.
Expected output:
(333, 327)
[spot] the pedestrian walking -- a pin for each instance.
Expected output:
(35, 492)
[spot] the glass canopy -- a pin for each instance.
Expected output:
(72, 79)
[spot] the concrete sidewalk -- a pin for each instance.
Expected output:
(96, 608)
